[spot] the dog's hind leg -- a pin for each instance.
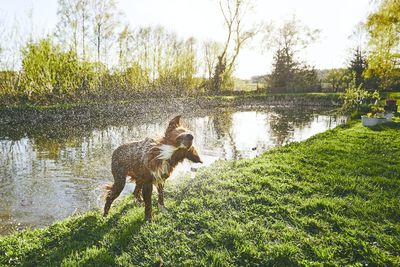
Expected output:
(147, 190)
(137, 192)
(114, 190)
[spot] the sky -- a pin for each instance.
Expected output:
(337, 20)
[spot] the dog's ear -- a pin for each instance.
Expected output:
(193, 155)
(174, 123)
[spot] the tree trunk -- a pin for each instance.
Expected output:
(98, 42)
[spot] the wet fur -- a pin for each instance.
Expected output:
(149, 162)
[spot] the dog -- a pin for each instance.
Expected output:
(150, 162)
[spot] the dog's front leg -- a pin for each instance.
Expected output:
(147, 191)
(160, 189)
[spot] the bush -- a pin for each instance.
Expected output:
(357, 98)
(48, 71)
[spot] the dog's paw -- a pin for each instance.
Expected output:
(162, 208)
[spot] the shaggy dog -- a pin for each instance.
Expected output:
(150, 162)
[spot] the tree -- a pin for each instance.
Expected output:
(105, 21)
(2, 33)
(217, 79)
(358, 65)
(211, 50)
(234, 13)
(84, 16)
(12, 40)
(124, 48)
(73, 24)
(289, 74)
(67, 26)
(283, 72)
(157, 59)
(337, 78)
(384, 58)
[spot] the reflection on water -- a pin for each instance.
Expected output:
(48, 172)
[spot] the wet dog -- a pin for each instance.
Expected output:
(150, 162)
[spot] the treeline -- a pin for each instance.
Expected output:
(93, 54)
(87, 57)
(155, 67)
(373, 64)
(50, 73)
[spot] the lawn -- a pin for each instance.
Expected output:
(331, 200)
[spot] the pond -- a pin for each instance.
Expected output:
(49, 171)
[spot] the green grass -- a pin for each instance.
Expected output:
(331, 200)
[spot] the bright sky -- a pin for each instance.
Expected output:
(336, 19)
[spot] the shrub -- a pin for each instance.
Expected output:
(49, 71)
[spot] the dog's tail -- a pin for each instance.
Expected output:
(107, 189)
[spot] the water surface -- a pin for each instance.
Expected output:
(50, 171)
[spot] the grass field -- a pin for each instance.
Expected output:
(331, 200)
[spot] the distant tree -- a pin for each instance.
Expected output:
(258, 79)
(306, 79)
(157, 57)
(105, 20)
(211, 51)
(234, 13)
(189, 61)
(358, 65)
(288, 73)
(384, 43)
(124, 39)
(11, 42)
(337, 78)
(72, 27)
(84, 18)
(283, 70)
(2, 33)
(67, 26)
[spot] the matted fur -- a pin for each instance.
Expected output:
(150, 162)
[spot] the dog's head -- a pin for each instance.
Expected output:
(182, 139)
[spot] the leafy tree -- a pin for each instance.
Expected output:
(283, 73)
(289, 74)
(337, 78)
(384, 58)
(306, 79)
